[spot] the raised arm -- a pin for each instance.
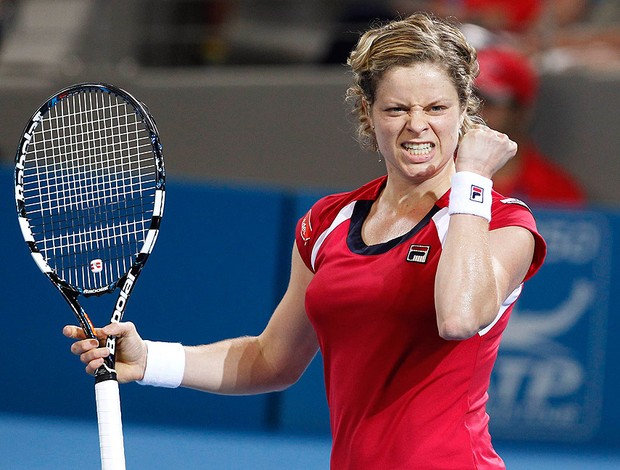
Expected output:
(479, 268)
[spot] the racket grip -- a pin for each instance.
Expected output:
(110, 425)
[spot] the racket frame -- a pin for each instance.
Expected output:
(106, 385)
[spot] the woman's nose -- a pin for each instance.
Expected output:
(417, 120)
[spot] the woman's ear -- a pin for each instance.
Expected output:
(366, 110)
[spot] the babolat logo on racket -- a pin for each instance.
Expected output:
(121, 302)
(27, 138)
(23, 150)
(119, 308)
(476, 194)
(418, 253)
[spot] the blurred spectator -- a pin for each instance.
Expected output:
(560, 34)
(580, 33)
(502, 15)
(192, 30)
(355, 17)
(358, 15)
(508, 86)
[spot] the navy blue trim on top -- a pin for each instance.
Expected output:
(356, 243)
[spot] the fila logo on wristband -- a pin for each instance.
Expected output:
(471, 193)
(476, 194)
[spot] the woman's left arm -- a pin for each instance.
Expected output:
(479, 268)
(477, 271)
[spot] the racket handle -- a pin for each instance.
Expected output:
(110, 425)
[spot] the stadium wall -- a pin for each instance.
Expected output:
(289, 126)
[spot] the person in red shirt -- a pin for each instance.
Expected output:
(406, 284)
(508, 85)
(508, 15)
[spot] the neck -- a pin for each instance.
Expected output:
(400, 207)
(400, 195)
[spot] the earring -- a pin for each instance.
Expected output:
(380, 156)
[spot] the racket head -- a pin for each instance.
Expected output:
(90, 187)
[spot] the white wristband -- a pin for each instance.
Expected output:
(470, 194)
(165, 364)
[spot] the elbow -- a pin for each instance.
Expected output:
(282, 381)
(457, 330)
(281, 375)
(458, 325)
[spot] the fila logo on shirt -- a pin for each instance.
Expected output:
(418, 253)
(476, 194)
(306, 228)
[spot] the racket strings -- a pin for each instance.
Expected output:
(89, 187)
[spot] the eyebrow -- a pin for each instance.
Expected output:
(434, 102)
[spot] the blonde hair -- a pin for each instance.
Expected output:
(419, 38)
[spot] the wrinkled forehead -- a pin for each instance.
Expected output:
(422, 79)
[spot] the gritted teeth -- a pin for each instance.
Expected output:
(418, 149)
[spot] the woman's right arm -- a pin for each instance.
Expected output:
(271, 361)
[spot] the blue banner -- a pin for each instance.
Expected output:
(549, 379)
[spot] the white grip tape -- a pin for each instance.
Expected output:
(110, 425)
(471, 194)
(165, 364)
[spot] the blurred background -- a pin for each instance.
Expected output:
(249, 99)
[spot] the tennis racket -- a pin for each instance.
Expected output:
(89, 190)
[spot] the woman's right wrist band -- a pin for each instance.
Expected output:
(470, 193)
(165, 364)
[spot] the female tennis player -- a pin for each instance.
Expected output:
(405, 284)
